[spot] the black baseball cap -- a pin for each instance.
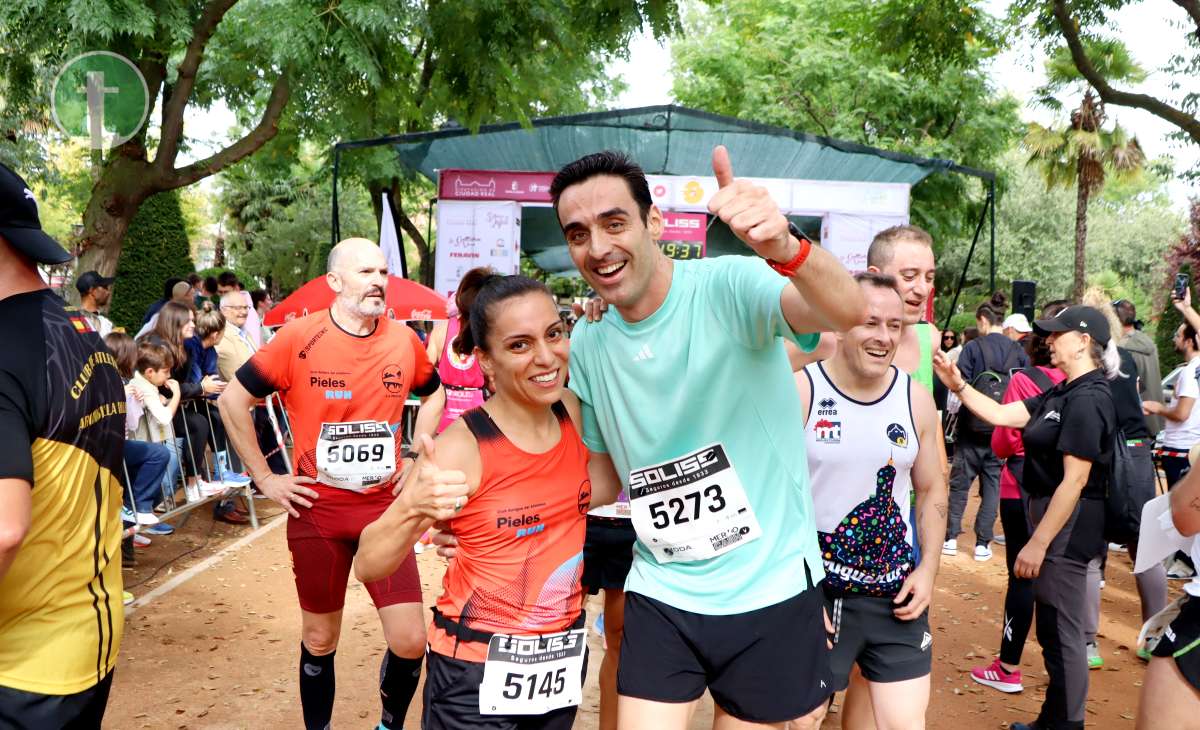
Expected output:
(1085, 320)
(20, 224)
(89, 280)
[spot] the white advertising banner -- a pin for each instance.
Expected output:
(849, 236)
(796, 197)
(473, 233)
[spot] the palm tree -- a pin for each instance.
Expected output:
(1082, 153)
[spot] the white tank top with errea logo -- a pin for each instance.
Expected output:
(860, 458)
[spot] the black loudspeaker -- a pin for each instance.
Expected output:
(1024, 297)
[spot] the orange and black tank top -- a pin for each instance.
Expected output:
(520, 540)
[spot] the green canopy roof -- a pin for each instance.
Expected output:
(665, 140)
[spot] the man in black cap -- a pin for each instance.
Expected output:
(62, 413)
(94, 293)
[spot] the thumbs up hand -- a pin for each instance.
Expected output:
(436, 493)
(750, 212)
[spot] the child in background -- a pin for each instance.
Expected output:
(145, 462)
(153, 370)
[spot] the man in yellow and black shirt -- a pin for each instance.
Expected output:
(62, 415)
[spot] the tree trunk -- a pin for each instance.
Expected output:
(1081, 204)
(124, 183)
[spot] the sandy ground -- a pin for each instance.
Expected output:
(220, 650)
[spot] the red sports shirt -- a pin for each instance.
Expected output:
(329, 376)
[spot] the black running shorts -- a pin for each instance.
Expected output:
(452, 701)
(767, 666)
(607, 553)
(886, 648)
(1181, 642)
(81, 711)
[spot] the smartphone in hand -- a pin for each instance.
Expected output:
(1181, 286)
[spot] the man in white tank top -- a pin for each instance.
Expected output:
(871, 437)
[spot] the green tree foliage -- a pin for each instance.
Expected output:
(155, 249)
(1087, 29)
(291, 243)
(316, 68)
(1132, 227)
(1082, 154)
(902, 75)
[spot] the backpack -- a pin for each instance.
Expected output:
(1122, 508)
(991, 383)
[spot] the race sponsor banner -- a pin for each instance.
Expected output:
(526, 187)
(684, 235)
(473, 233)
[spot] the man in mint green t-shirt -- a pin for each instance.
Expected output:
(687, 391)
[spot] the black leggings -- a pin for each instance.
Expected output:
(196, 435)
(1018, 601)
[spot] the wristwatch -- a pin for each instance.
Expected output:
(790, 268)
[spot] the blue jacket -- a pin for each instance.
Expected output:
(202, 360)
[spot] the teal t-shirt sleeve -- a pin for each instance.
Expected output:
(745, 296)
(577, 382)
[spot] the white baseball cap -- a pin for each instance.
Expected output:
(1018, 323)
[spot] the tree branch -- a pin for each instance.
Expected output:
(181, 90)
(266, 128)
(1070, 30)
(427, 68)
(1193, 9)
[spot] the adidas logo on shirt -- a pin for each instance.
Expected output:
(644, 354)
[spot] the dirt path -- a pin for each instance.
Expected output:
(220, 650)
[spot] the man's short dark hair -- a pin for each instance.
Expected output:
(880, 252)
(194, 280)
(228, 278)
(608, 162)
(210, 285)
(1126, 312)
(877, 280)
(258, 296)
(1189, 335)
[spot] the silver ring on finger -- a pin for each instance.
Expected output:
(457, 504)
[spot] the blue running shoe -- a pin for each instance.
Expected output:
(161, 528)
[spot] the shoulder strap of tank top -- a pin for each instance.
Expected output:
(486, 430)
(482, 425)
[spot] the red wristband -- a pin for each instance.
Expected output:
(790, 268)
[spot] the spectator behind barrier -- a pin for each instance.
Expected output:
(146, 462)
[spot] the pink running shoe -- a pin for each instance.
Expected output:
(994, 676)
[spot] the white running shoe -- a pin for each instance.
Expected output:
(209, 489)
(147, 518)
(999, 540)
(982, 553)
(950, 547)
(141, 540)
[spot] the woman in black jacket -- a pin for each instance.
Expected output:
(1068, 433)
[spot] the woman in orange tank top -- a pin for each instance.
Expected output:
(507, 643)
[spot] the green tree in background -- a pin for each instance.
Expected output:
(1132, 225)
(901, 75)
(156, 249)
(1082, 154)
(415, 65)
(1086, 28)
